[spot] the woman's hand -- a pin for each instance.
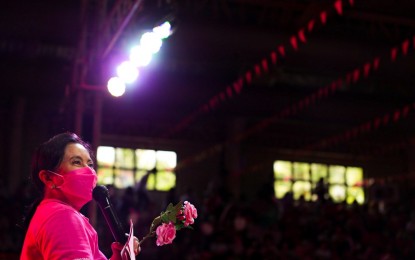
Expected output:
(137, 247)
(116, 248)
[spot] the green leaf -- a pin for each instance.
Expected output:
(170, 215)
(170, 207)
(156, 222)
(178, 206)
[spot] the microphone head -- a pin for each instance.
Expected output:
(100, 194)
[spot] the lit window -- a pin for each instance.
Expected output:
(125, 167)
(300, 178)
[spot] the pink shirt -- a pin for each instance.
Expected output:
(58, 231)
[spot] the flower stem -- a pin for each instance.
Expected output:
(151, 234)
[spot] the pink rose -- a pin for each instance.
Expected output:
(190, 213)
(165, 234)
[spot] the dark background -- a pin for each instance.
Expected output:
(214, 93)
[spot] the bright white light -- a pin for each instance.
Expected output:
(116, 86)
(140, 57)
(151, 41)
(163, 31)
(127, 71)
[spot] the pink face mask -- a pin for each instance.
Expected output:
(77, 185)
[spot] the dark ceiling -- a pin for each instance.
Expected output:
(232, 64)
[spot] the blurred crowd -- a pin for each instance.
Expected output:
(259, 227)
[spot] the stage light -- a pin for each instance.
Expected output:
(116, 86)
(151, 42)
(140, 57)
(127, 71)
(163, 31)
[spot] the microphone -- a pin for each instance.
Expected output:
(101, 196)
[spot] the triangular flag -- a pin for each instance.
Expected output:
(394, 53)
(257, 70)
(339, 7)
(386, 119)
(274, 57)
(301, 35)
(293, 42)
(281, 50)
(356, 75)
(237, 87)
(248, 77)
(376, 63)
(222, 96)
(405, 110)
(405, 46)
(310, 26)
(366, 69)
(229, 91)
(396, 115)
(323, 17)
(264, 65)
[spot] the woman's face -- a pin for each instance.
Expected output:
(76, 156)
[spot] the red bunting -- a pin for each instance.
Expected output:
(349, 77)
(229, 91)
(294, 108)
(377, 123)
(222, 96)
(248, 77)
(274, 57)
(386, 119)
(339, 82)
(301, 35)
(257, 70)
(405, 46)
(347, 135)
(396, 115)
(405, 110)
(293, 42)
(213, 102)
(339, 7)
(363, 128)
(237, 87)
(307, 101)
(355, 131)
(326, 91)
(323, 17)
(241, 81)
(356, 75)
(369, 126)
(313, 97)
(366, 69)
(300, 104)
(320, 93)
(205, 108)
(200, 110)
(281, 50)
(333, 86)
(287, 112)
(310, 26)
(394, 52)
(376, 63)
(265, 65)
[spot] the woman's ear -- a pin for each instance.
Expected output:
(45, 177)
